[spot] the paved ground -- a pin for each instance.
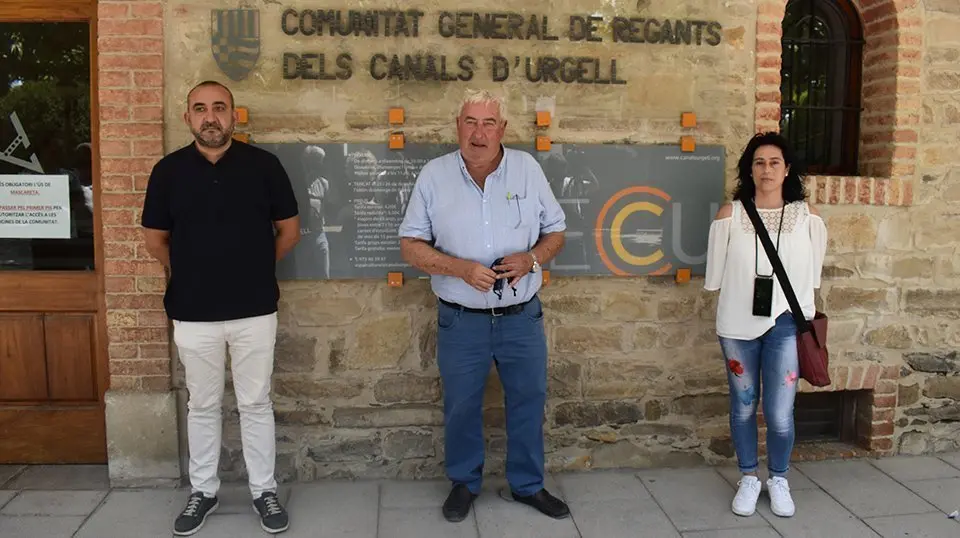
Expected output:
(904, 496)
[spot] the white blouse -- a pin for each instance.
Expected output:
(734, 249)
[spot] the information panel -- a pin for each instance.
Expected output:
(34, 206)
(630, 209)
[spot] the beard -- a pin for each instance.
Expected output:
(216, 138)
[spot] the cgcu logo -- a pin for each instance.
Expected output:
(615, 240)
(235, 40)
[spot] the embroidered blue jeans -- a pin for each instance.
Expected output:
(766, 365)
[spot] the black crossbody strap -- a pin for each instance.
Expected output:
(802, 323)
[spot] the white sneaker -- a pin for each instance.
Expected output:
(745, 502)
(781, 503)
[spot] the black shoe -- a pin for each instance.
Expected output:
(273, 518)
(545, 503)
(457, 505)
(194, 514)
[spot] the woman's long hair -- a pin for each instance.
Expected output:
(793, 188)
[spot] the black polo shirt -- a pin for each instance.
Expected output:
(220, 218)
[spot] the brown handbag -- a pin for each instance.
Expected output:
(814, 359)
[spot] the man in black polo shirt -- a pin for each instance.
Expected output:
(219, 214)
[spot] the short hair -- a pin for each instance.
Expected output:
(210, 83)
(793, 188)
(483, 96)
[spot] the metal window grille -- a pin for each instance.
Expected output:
(820, 84)
(826, 416)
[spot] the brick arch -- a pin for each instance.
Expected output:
(890, 95)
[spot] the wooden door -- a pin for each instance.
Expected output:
(53, 367)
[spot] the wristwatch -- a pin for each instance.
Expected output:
(536, 263)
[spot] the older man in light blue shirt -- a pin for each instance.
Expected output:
(468, 209)
(511, 212)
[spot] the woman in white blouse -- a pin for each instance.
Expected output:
(760, 349)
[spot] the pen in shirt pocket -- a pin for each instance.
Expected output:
(519, 213)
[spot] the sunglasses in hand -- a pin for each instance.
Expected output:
(498, 284)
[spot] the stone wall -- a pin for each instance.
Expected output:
(636, 377)
(927, 268)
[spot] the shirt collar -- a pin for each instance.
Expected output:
(194, 150)
(495, 173)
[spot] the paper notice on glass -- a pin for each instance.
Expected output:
(35, 207)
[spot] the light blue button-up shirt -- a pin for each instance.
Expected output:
(514, 208)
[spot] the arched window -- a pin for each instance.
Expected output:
(820, 84)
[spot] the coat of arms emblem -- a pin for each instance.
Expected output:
(235, 40)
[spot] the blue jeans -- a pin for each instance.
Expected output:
(467, 344)
(768, 363)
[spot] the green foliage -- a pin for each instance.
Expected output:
(45, 79)
(37, 51)
(56, 119)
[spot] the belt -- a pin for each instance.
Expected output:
(493, 311)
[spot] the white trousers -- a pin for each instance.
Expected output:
(202, 347)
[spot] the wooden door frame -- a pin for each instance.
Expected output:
(86, 292)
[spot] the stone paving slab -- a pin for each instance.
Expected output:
(622, 517)
(759, 532)
(602, 486)
(62, 477)
(5, 497)
(9, 471)
(53, 503)
(953, 458)
(414, 494)
(139, 513)
(334, 509)
(944, 494)
(817, 516)
(909, 468)
(424, 522)
(855, 484)
(696, 499)
(39, 526)
(838, 472)
(915, 526)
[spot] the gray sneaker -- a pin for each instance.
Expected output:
(273, 518)
(194, 514)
